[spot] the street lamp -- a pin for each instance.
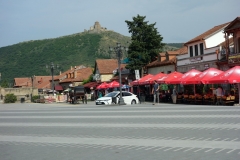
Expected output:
(52, 66)
(119, 51)
(32, 77)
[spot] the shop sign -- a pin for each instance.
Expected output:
(195, 59)
(206, 66)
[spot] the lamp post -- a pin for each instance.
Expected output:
(52, 66)
(32, 89)
(119, 51)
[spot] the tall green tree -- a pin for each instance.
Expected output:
(146, 43)
(4, 84)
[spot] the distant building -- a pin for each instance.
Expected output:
(96, 28)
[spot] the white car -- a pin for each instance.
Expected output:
(113, 98)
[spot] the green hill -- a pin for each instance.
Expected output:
(30, 58)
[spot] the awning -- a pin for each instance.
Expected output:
(91, 84)
(58, 88)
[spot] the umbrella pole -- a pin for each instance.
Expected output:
(239, 93)
(139, 94)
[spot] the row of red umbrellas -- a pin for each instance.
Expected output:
(105, 85)
(209, 76)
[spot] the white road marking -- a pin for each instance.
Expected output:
(231, 151)
(219, 150)
(210, 150)
(234, 139)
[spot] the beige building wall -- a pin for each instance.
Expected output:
(19, 92)
(164, 69)
(106, 78)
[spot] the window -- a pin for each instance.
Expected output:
(191, 51)
(126, 94)
(196, 50)
(201, 48)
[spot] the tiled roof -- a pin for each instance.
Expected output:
(71, 70)
(23, 82)
(45, 85)
(38, 81)
(106, 66)
(207, 33)
(172, 60)
(172, 57)
(232, 25)
(82, 74)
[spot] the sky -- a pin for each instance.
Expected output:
(177, 21)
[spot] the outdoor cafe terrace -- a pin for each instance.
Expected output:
(194, 87)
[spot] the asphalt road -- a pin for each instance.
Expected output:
(138, 132)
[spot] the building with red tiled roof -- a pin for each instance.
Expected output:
(166, 62)
(35, 82)
(202, 51)
(105, 68)
(75, 76)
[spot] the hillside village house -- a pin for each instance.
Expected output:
(74, 77)
(105, 69)
(166, 62)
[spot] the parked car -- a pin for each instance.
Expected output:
(113, 98)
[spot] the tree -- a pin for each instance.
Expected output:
(146, 43)
(4, 84)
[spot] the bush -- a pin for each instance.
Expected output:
(34, 98)
(10, 98)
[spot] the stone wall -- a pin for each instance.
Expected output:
(19, 92)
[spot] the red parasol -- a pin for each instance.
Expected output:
(113, 84)
(155, 77)
(136, 82)
(170, 77)
(230, 76)
(185, 77)
(145, 79)
(203, 77)
(104, 85)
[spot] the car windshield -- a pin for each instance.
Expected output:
(112, 94)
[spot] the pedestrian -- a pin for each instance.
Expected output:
(219, 93)
(174, 95)
(155, 92)
(100, 94)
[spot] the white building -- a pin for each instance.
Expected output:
(203, 51)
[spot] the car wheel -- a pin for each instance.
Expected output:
(133, 102)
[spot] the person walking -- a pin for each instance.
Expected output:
(174, 95)
(155, 92)
(219, 93)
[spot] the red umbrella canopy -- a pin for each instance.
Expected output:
(113, 84)
(185, 76)
(230, 76)
(134, 82)
(104, 85)
(170, 77)
(145, 79)
(203, 77)
(156, 77)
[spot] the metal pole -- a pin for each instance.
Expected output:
(121, 100)
(32, 90)
(52, 77)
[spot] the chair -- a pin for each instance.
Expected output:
(191, 99)
(185, 98)
(179, 98)
(199, 99)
